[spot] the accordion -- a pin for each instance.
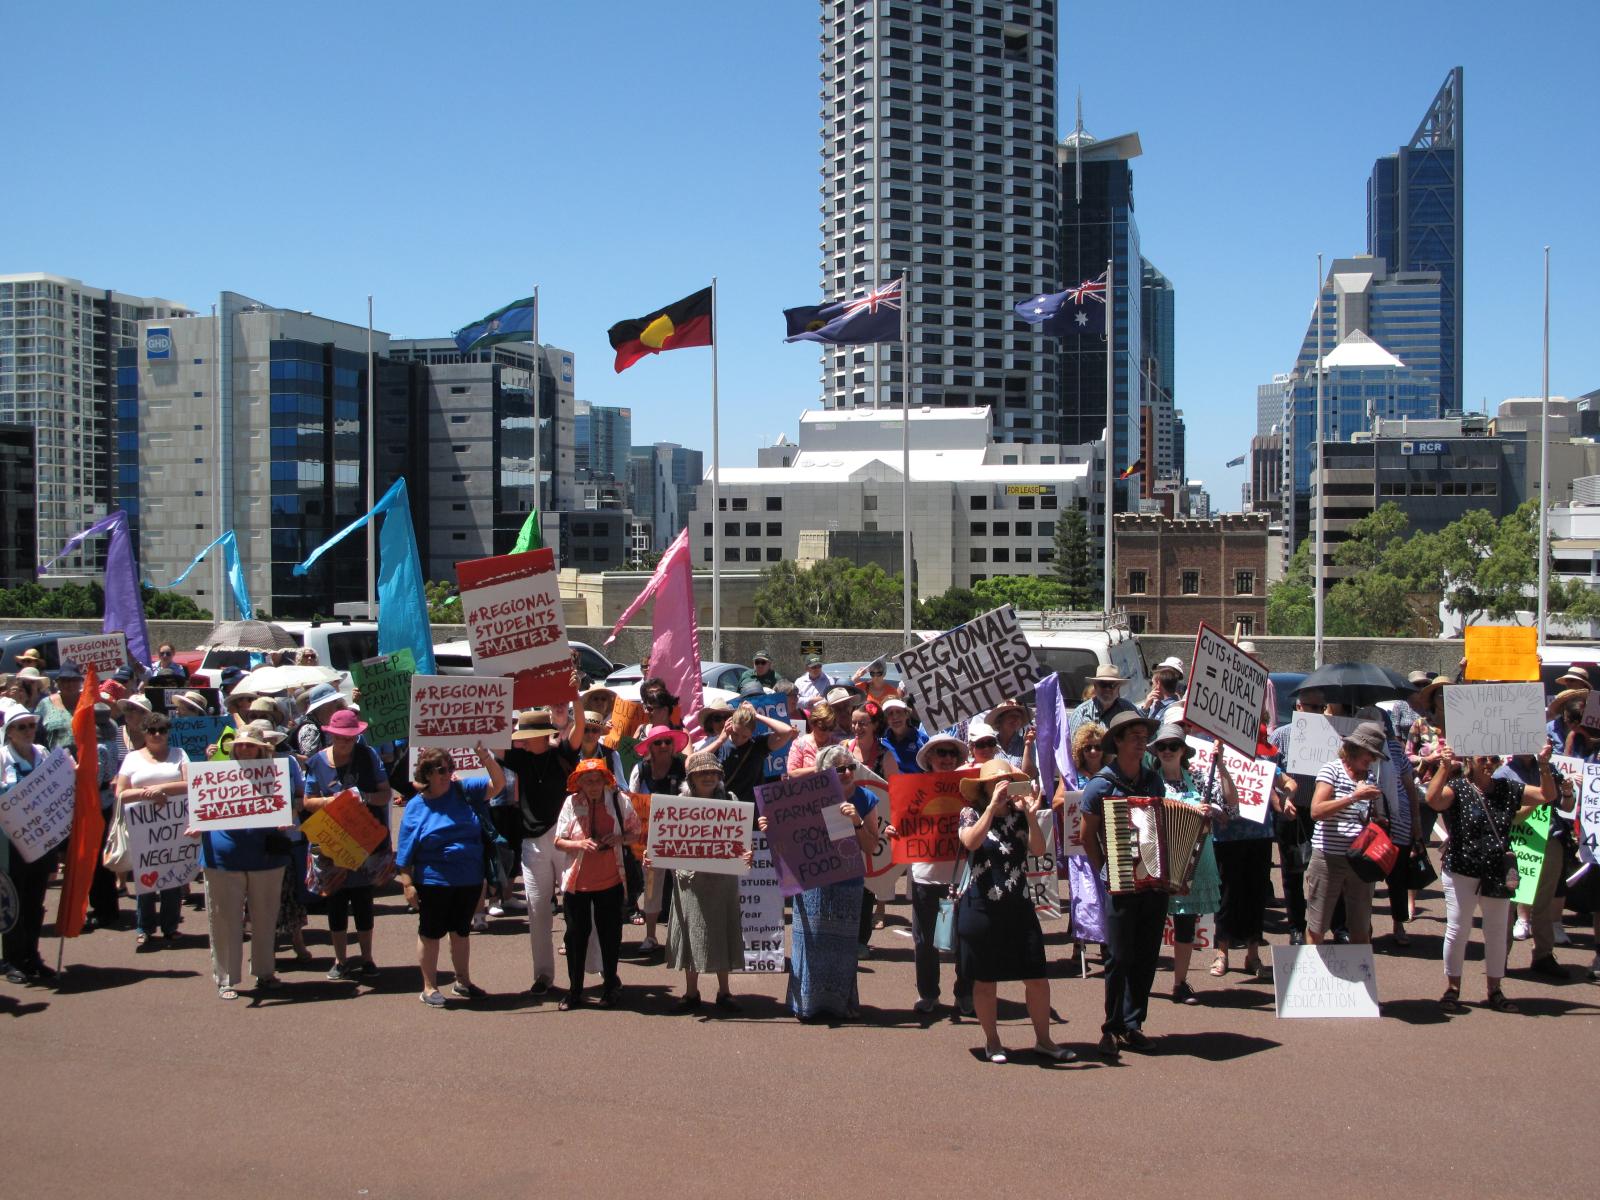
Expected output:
(1152, 844)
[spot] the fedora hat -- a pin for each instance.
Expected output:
(1368, 736)
(69, 672)
(1009, 705)
(1426, 695)
(1108, 672)
(1419, 679)
(994, 769)
(32, 657)
(251, 736)
(268, 732)
(192, 700)
(534, 724)
(1577, 677)
(1121, 722)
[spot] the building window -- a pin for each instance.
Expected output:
(1024, 528)
(729, 554)
(977, 528)
(730, 529)
(1244, 583)
(775, 503)
(774, 554)
(869, 503)
(1047, 501)
(752, 554)
(1047, 529)
(1024, 501)
(706, 554)
(740, 503)
(1244, 625)
(752, 529)
(979, 554)
(708, 529)
(1136, 622)
(1137, 583)
(1001, 554)
(1191, 583)
(774, 528)
(977, 503)
(1024, 554)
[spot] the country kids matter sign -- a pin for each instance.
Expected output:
(1494, 718)
(105, 652)
(450, 711)
(1227, 691)
(803, 827)
(966, 672)
(761, 910)
(511, 605)
(385, 686)
(925, 811)
(1324, 981)
(160, 852)
(37, 813)
(1314, 741)
(691, 834)
(1502, 653)
(245, 794)
(345, 830)
(1252, 777)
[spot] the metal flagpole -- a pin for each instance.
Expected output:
(217, 569)
(372, 477)
(905, 461)
(533, 388)
(1316, 466)
(716, 509)
(1544, 465)
(1111, 416)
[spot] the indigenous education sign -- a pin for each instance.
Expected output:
(966, 672)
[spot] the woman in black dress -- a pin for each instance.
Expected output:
(998, 929)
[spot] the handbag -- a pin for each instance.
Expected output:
(1420, 872)
(1372, 855)
(944, 926)
(117, 857)
(1501, 885)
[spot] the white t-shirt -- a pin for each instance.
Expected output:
(140, 772)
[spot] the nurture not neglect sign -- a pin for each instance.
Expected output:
(966, 672)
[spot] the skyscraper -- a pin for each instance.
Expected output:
(938, 163)
(601, 440)
(1414, 221)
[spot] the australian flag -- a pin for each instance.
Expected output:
(873, 316)
(1074, 312)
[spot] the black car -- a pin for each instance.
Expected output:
(13, 644)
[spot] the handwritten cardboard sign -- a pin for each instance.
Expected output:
(1586, 832)
(1070, 817)
(193, 735)
(251, 794)
(1529, 837)
(345, 830)
(385, 686)
(511, 605)
(1324, 981)
(761, 910)
(449, 711)
(626, 718)
(1252, 777)
(1494, 718)
(1227, 691)
(1314, 741)
(105, 652)
(36, 814)
(1502, 653)
(966, 672)
(162, 854)
(774, 705)
(691, 834)
(808, 856)
(926, 812)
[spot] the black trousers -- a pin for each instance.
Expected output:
(601, 911)
(1133, 926)
(868, 903)
(1245, 869)
(21, 945)
(925, 899)
(348, 901)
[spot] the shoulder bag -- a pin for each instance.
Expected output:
(944, 927)
(1372, 855)
(117, 856)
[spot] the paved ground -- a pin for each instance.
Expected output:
(133, 1079)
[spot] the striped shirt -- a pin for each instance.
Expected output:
(1333, 835)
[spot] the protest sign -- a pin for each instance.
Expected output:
(454, 711)
(37, 813)
(883, 873)
(1324, 981)
(641, 809)
(776, 706)
(1044, 884)
(193, 735)
(161, 853)
(798, 831)
(1252, 777)
(247, 794)
(1529, 837)
(1071, 813)
(1587, 830)
(1227, 691)
(761, 910)
(1205, 932)
(105, 652)
(1591, 711)
(966, 672)
(511, 605)
(926, 812)
(1314, 741)
(1568, 771)
(385, 686)
(345, 830)
(464, 762)
(626, 717)
(1494, 718)
(691, 834)
(1502, 652)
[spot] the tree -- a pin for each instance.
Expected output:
(1075, 568)
(444, 603)
(87, 602)
(1290, 611)
(1019, 591)
(172, 606)
(833, 594)
(948, 609)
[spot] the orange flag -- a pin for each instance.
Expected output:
(88, 822)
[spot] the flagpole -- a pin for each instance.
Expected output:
(216, 472)
(372, 476)
(905, 461)
(1544, 465)
(716, 477)
(533, 388)
(1322, 500)
(1111, 416)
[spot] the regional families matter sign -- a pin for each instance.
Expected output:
(966, 672)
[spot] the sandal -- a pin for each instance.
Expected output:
(1450, 1002)
(227, 992)
(1220, 967)
(995, 1054)
(1497, 1001)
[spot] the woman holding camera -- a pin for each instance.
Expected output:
(1341, 805)
(1478, 811)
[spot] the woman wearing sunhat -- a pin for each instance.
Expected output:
(659, 772)
(153, 774)
(594, 823)
(348, 762)
(1344, 800)
(55, 711)
(20, 756)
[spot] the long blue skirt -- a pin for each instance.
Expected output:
(826, 924)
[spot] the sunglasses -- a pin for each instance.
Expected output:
(660, 743)
(1105, 683)
(437, 769)
(946, 752)
(986, 744)
(1168, 748)
(876, 674)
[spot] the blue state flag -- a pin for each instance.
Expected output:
(871, 317)
(513, 323)
(1075, 312)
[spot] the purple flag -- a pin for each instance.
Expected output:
(124, 604)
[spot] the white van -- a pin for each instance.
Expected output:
(1076, 644)
(338, 643)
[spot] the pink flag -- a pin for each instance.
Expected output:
(675, 634)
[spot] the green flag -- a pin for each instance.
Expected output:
(531, 538)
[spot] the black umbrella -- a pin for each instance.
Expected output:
(1356, 684)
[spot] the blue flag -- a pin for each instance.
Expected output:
(236, 579)
(872, 317)
(1074, 312)
(513, 323)
(402, 603)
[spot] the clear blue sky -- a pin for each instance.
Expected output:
(619, 155)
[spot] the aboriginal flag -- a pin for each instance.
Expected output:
(1131, 470)
(685, 323)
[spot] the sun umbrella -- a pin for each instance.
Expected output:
(258, 637)
(273, 681)
(1356, 684)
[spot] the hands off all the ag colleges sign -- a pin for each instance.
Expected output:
(966, 672)
(1227, 689)
(1494, 718)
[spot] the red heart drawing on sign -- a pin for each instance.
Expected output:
(149, 878)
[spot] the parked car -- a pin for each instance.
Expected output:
(724, 676)
(840, 672)
(13, 644)
(1283, 686)
(1076, 644)
(455, 658)
(338, 643)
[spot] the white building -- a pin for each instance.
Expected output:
(978, 508)
(59, 339)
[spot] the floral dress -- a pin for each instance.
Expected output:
(999, 932)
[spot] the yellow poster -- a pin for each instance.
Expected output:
(1502, 654)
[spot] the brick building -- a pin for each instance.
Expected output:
(1171, 574)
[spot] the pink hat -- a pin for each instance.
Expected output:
(345, 723)
(679, 739)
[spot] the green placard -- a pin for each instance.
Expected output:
(385, 685)
(1528, 840)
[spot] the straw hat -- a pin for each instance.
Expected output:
(1425, 696)
(533, 725)
(250, 736)
(1108, 672)
(1577, 677)
(1563, 699)
(192, 700)
(703, 762)
(1009, 705)
(924, 755)
(972, 789)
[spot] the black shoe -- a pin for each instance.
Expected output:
(726, 1003)
(1134, 1039)
(609, 997)
(1548, 967)
(686, 1004)
(39, 973)
(1297, 937)
(1341, 937)
(468, 991)
(1184, 994)
(16, 974)
(573, 999)
(540, 987)
(364, 967)
(1108, 1047)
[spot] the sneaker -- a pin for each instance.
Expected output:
(1341, 937)
(365, 966)
(924, 1005)
(1558, 933)
(1521, 931)
(268, 983)
(342, 971)
(468, 991)
(1184, 994)
(480, 924)
(497, 909)
(1134, 1039)
(433, 999)
(1297, 937)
